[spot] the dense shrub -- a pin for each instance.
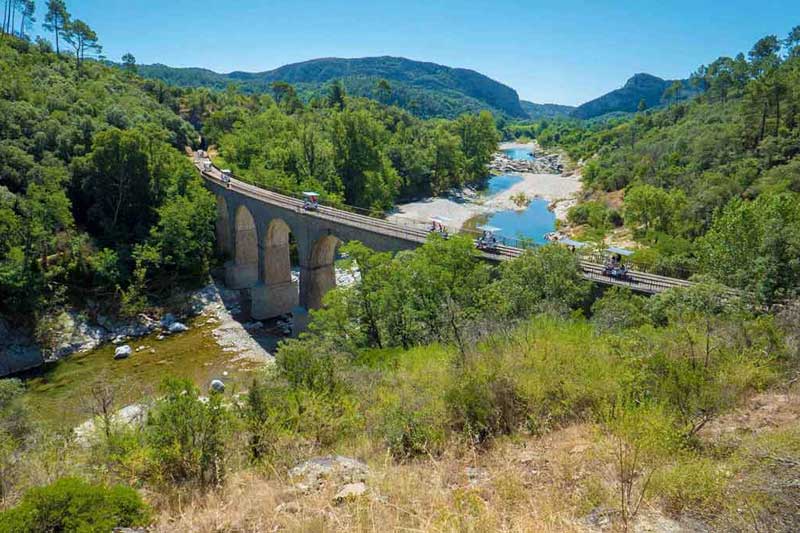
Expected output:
(484, 406)
(71, 504)
(187, 435)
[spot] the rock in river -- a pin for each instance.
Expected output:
(178, 327)
(122, 352)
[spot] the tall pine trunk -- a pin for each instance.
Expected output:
(5, 15)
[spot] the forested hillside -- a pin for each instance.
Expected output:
(540, 111)
(96, 196)
(353, 150)
(425, 89)
(711, 184)
(642, 91)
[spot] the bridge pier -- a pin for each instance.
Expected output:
(315, 282)
(240, 276)
(317, 272)
(270, 301)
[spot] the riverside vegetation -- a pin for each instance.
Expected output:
(707, 185)
(516, 397)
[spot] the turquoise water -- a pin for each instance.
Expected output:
(501, 183)
(532, 223)
(520, 154)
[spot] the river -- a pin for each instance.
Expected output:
(530, 223)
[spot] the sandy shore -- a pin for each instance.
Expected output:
(557, 189)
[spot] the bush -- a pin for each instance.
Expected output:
(485, 406)
(187, 436)
(592, 213)
(695, 484)
(306, 364)
(413, 432)
(73, 505)
(278, 418)
(619, 309)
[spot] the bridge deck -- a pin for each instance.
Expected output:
(640, 281)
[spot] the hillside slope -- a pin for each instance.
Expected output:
(91, 167)
(626, 99)
(427, 89)
(539, 111)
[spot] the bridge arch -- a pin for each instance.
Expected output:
(274, 294)
(244, 271)
(223, 228)
(319, 275)
(277, 257)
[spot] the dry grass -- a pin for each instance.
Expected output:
(527, 484)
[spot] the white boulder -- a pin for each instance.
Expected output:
(122, 352)
(178, 327)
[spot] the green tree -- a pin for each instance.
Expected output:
(83, 39)
(541, 279)
(129, 63)
(367, 175)
(336, 95)
(27, 10)
(764, 55)
(57, 20)
(384, 90)
(479, 138)
(449, 276)
(286, 96)
(653, 208)
(756, 245)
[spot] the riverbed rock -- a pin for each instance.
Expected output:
(168, 319)
(217, 385)
(122, 352)
(541, 164)
(336, 469)
(178, 327)
(19, 356)
(74, 333)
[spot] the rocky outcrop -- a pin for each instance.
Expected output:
(336, 469)
(17, 351)
(351, 491)
(542, 164)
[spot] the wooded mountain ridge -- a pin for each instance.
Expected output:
(423, 88)
(641, 87)
(427, 89)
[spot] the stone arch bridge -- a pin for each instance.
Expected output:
(253, 226)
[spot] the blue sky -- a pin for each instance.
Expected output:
(566, 52)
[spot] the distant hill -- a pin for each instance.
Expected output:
(426, 89)
(626, 100)
(539, 111)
